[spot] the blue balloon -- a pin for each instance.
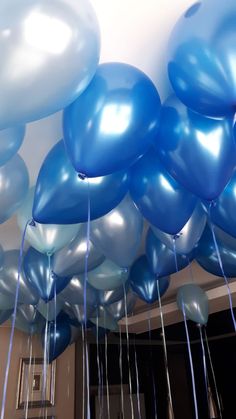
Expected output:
(144, 282)
(56, 342)
(194, 301)
(61, 196)
(113, 122)
(1, 257)
(10, 142)
(199, 152)
(206, 254)
(162, 259)
(223, 211)
(201, 63)
(40, 275)
(5, 315)
(161, 200)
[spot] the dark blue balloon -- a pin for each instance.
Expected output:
(201, 63)
(199, 152)
(61, 196)
(207, 257)
(162, 259)
(56, 342)
(41, 277)
(113, 122)
(162, 201)
(223, 211)
(144, 282)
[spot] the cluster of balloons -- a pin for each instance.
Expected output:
(124, 159)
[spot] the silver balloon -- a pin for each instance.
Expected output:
(10, 142)
(9, 277)
(102, 318)
(108, 297)
(46, 238)
(51, 309)
(7, 299)
(73, 293)
(14, 183)
(118, 309)
(194, 300)
(70, 260)
(29, 320)
(49, 53)
(118, 234)
(108, 276)
(190, 234)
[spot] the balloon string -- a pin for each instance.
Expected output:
(99, 371)
(165, 349)
(151, 363)
(45, 359)
(191, 271)
(83, 347)
(121, 376)
(191, 362)
(204, 366)
(213, 374)
(128, 354)
(175, 254)
(137, 380)
(107, 381)
(29, 346)
(223, 272)
(20, 261)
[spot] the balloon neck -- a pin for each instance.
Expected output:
(32, 223)
(177, 236)
(82, 176)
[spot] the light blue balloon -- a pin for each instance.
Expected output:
(120, 308)
(195, 303)
(14, 183)
(51, 309)
(107, 297)
(73, 293)
(10, 142)
(28, 320)
(1, 257)
(108, 276)
(102, 318)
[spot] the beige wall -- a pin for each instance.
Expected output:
(65, 376)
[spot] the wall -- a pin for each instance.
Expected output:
(64, 407)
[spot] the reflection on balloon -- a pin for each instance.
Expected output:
(74, 292)
(10, 142)
(29, 320)
(195, 303)
(107, 297)
(119, 309)
(108, 276)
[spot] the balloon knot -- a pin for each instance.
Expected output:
(82, 176)
(177, 236)
(32, 223)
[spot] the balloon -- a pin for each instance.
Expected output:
(102, 318)
(108, 276)
(14, 183)
(79, 312)
(118, 234)
(207, 256)
(10, 142)
(195, 303)
(74, 292)
(5, 315)
(161, 200)
(61, 196)
(199, 152)
(201, 65)
(108, 297)
(118, 309)
(190, 234)
(29, 320)
(75, 334)
(113, 122)
(70, 260)
(51, 309)
(1, 257)
(162, 259)
(9, 279)
(41, 277)
(57, 340)
(144, 282)
(35, 42)
(46, 238)
(222, 212)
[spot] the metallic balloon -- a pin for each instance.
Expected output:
(201, 63)
(74, 292)
(40, 275)
(190, 234)
(10, 142)
(144, 282)
(51, 309)
(35, 42)
(70, 260)
(118, 309)
(195, 303)
(118, 234)
(5, 315)
(108, 276)
(14, 183)
(207, 256)
(29, 320)
(1, 257)
(102, 318)
(9, 278)
(162, 259)
(161, 200)
(62, 196)
(108, 297)
(79, 312)
(46, 238)
(57, 340)
(199, 152)
(222, 212)
(113, 122)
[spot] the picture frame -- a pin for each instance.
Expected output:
(30, 384)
